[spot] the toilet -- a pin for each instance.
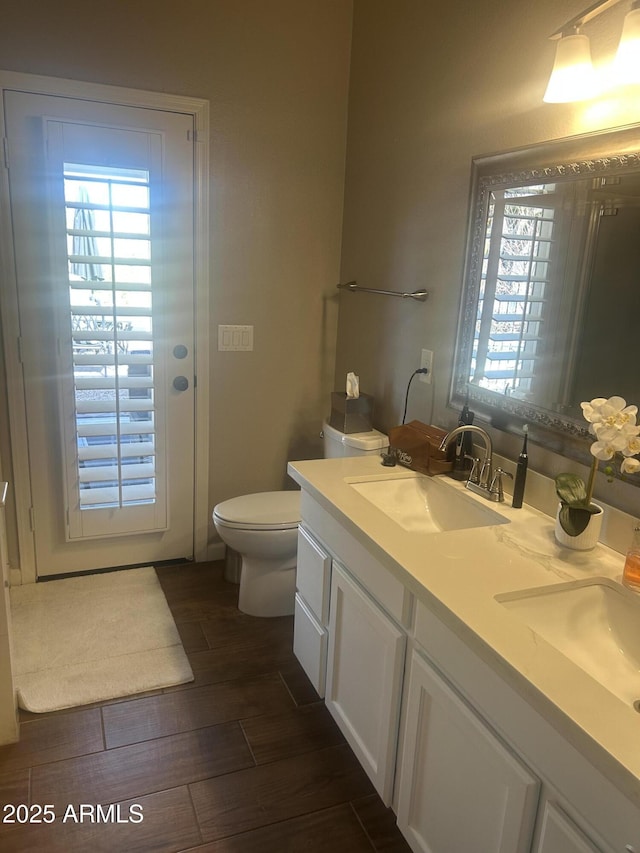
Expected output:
(263, 529)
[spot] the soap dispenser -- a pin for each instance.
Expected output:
(631, 571)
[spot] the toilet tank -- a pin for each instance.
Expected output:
(336, 443)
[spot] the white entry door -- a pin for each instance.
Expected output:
(102, 212)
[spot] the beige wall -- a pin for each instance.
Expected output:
(276, 75)
(431, 86)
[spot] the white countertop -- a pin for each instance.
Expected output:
(458, 573)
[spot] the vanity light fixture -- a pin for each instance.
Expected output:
(573, 77)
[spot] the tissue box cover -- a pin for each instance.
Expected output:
(417, 446)
(351, 414)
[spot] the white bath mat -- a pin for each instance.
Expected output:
(91, 638)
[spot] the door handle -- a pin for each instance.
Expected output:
(181, 383)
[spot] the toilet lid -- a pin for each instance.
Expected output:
(264, 510)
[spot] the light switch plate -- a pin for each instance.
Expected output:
(238, 338)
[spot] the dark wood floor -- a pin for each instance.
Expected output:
(243, 759)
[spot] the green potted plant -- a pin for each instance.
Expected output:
(614, 425)
(576, 506)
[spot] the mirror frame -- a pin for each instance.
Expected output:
(595, 154)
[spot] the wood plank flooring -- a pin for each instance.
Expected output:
(244, 759)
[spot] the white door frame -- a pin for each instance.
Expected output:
(21, 484)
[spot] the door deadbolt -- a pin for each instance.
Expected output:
(181, 383)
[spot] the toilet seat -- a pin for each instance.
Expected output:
(260, 511)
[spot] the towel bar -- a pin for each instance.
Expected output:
(420, 295)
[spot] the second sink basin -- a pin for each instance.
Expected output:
(425, 505)
(594, 622)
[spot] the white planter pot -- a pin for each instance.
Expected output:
(589, 537)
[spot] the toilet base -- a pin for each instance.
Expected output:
(267, 588)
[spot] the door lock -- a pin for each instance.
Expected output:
(181, 383)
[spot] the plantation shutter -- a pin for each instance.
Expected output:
(110, 299)
(513, 303)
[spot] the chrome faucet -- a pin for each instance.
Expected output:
(481, 482)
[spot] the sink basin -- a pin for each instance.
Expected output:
(425, 505)
(595, 623)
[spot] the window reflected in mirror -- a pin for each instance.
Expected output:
(559, 264)
(550, 303)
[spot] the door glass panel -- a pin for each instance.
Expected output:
(110, 297)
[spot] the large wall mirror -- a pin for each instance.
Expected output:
(550, 310)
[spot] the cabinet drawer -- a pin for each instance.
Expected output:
(313, 574)
(310, 645)
(375, 577)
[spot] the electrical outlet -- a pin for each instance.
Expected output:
(426, 360)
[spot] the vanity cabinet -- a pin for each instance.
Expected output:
(479, 767)
(461, 787)
(364, 677)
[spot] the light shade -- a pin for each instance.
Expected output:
(626, 65)
(573, 77)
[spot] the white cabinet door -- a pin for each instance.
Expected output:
(364, 678)
(460, 787)
(559, 834)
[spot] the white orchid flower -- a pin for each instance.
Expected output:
(630, 466)
(602, 409)
(615, 412)
(608, 417)
(633, 445)
(607, 431)
(614, 425)
(591, 411)
(607, 449)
